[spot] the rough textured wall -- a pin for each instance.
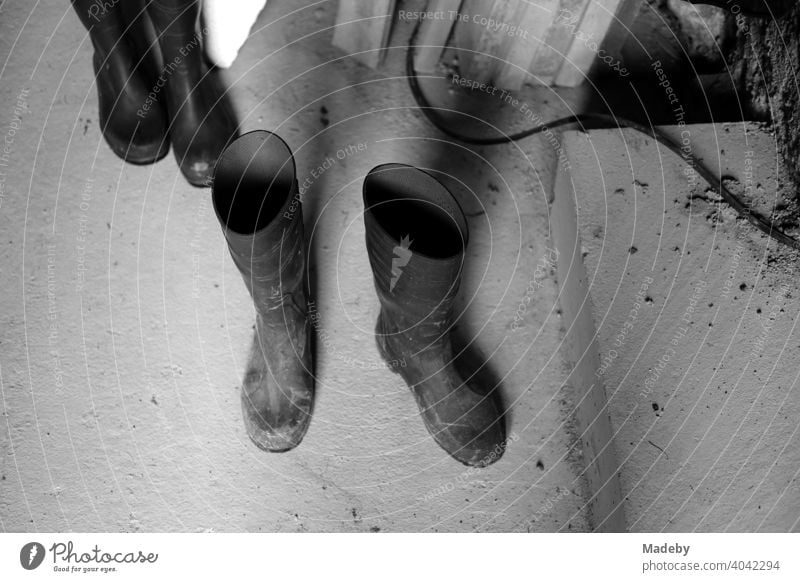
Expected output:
(769, 50)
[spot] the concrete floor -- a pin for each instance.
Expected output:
(125, 327)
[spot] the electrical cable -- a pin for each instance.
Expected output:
(431, 113)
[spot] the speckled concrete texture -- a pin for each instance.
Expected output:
(124, 326)
(695, 314)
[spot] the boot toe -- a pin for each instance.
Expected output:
(276, 416)
(137, 153)
(467, 424)
(473, 446)
(198, 157)
(197, 172)
(273, 432)
(201, 130)
(274, 439)
(134, 128)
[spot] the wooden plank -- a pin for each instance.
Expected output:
(480, 34)
(534, 19)
(433, 34)
(589, 37)
(362, 29)
(556, 41)
(550, 55)
(466, 36)
(619, 31)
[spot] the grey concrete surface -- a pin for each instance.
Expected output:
(695, 323)
(124, 326)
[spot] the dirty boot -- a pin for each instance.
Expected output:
(257, 203)
(201, 122)
(416, 237)
(133, 123)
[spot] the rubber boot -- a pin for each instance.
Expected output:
(201, 123)
(133, 123)
(416, 236)
(256, 200)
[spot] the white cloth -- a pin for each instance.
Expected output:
(228, 24)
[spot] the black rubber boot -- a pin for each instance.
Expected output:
(201, 122)
(416, 237)
(257, 203)
(133, 123)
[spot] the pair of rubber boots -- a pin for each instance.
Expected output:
(416, 235)
(154, 86)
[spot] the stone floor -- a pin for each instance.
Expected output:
(124, 326)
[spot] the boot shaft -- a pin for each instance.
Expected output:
(416, 236)
(174, 20)
(257, 203)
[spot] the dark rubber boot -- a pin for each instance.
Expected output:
(201, 122)
(133, 123)
(416, 237)
(257, 203)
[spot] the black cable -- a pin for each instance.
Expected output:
(431, 113)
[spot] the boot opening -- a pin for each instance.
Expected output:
(415, 209)
(253, 181)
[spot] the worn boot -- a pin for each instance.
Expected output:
(416, 237)
(257, 203)
(132, 120)
(201, 122)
